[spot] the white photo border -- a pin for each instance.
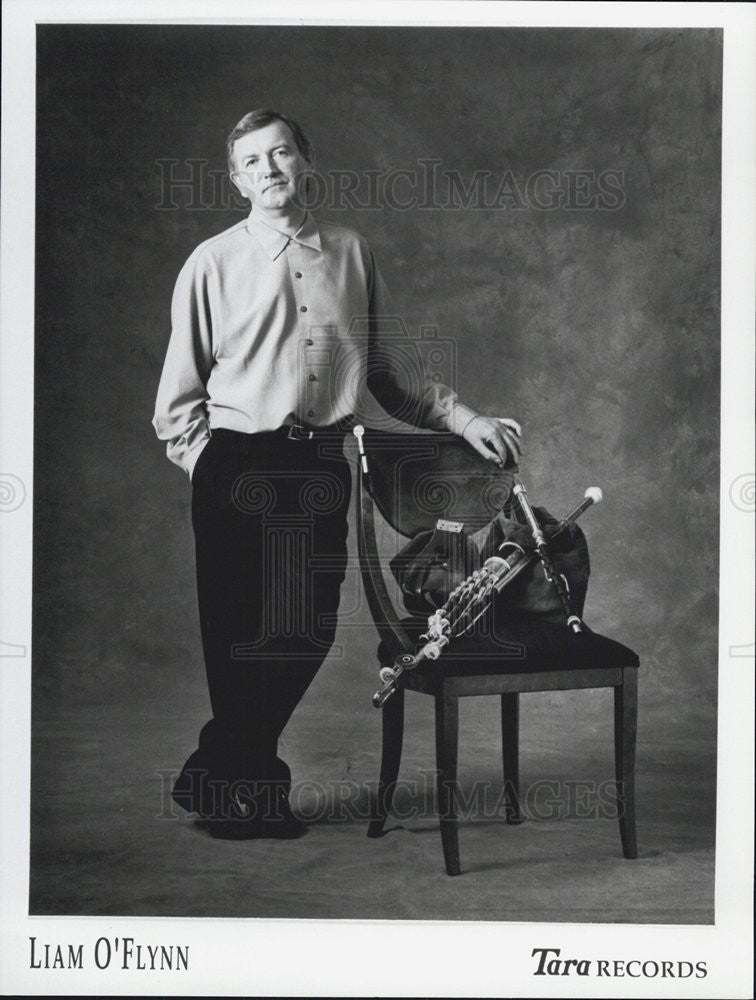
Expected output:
(350, 957)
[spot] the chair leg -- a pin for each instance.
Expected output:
(625, 726)
(391, 753)
(510, 739)
(447, 733)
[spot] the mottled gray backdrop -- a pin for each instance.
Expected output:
(596, 326)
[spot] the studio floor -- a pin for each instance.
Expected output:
(106, 839)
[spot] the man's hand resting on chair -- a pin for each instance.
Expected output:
(499, 439)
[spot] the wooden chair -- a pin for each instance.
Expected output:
(414, 479)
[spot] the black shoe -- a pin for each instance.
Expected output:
(283, 823)
(249, 822)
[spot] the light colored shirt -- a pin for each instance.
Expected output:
(270, 329)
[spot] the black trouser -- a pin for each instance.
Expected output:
(270, 524)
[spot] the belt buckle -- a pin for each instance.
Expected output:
(299, 433)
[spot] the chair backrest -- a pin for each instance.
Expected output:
(415, 479)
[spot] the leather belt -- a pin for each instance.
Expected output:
(298, 432)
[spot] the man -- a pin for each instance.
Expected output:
(254, 411)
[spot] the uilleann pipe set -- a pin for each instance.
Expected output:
(472, 598)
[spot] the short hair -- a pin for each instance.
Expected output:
(258, 119)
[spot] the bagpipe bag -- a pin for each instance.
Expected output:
(435, 561)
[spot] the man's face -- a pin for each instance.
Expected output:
(267, 163)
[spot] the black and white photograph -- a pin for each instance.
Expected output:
(348, 361)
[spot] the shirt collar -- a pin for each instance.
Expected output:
(274, 241)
